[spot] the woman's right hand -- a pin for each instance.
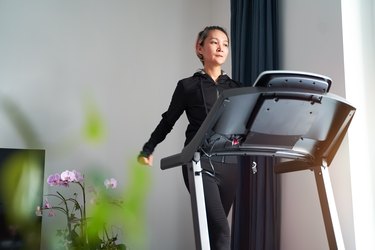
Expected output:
(145, 160)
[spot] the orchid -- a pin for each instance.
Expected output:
(54, 180)
(110, 183)
(71, 176)
(77, 235)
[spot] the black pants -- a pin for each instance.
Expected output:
(220, 184)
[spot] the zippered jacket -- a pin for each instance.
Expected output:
(195, 96)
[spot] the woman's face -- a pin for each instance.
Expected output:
(215, 48)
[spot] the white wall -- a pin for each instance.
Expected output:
(126, 56)
(359, 39)
(311, 34)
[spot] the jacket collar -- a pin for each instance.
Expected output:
(202, 72)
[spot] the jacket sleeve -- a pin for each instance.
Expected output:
(169, 118)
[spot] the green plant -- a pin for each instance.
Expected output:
(81, 231)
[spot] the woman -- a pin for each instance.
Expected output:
(195, 96)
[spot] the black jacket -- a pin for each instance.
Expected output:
(195, 95)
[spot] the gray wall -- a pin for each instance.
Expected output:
(126, 57)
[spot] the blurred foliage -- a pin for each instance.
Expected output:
(74, 205)
(21, 123)
(20, 192)
(129, 212)
(21, 185)
(93, 127)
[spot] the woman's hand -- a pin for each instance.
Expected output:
(145, 160)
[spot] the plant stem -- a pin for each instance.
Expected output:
(83, 218)
(67, 213)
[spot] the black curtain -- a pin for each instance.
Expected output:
(254, 42)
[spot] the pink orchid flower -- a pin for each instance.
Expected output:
(71, 176)
(110, 183)
(54, 180)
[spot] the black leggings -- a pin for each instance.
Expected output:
(219, 190)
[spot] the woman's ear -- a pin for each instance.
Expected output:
(198, 50)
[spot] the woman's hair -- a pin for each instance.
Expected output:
(203, 35)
